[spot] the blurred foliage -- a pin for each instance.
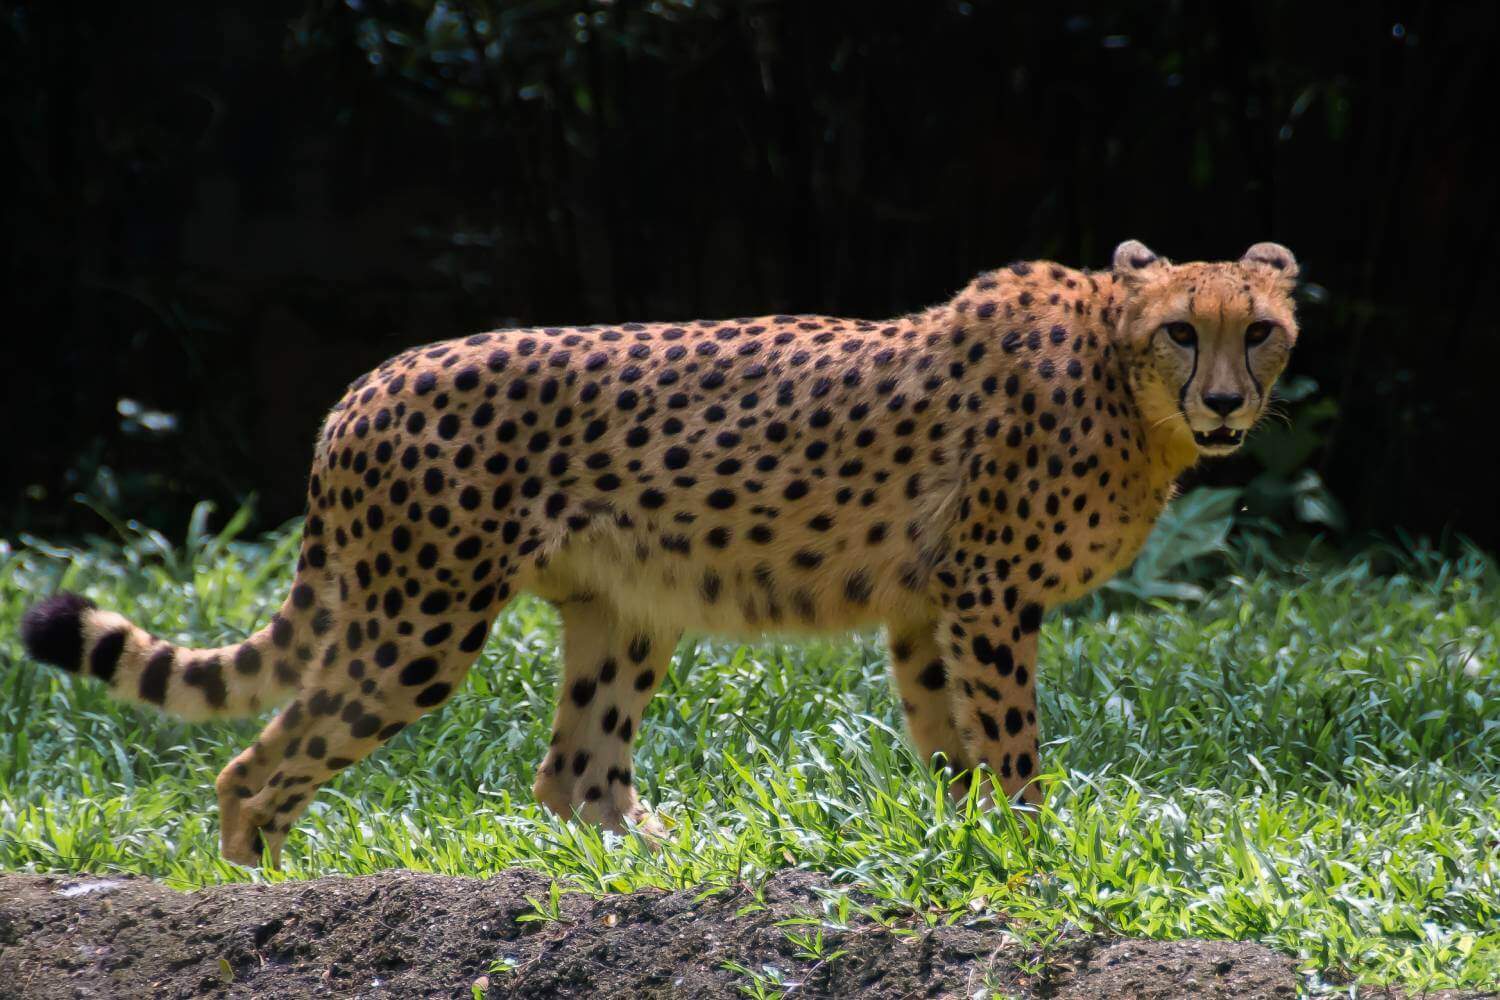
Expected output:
(1288, 489)
(221, 214)
(1182, 553)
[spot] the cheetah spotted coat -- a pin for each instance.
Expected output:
(949, 475)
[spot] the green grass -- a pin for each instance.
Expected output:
(1307, 758)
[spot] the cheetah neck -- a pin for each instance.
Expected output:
(1066, 400)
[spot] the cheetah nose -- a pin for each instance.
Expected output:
(1223, 403)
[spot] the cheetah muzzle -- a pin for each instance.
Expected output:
(950, 475)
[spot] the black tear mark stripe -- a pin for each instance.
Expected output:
(1259, 391)
(1182, 393)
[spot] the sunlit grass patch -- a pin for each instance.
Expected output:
(1308, 757)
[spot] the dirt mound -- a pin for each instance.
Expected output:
(405, 934)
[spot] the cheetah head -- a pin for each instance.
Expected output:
(1207, 340)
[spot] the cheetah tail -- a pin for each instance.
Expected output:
(69, 631)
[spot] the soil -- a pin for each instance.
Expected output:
(404, 934)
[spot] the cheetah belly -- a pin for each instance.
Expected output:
(733, 593)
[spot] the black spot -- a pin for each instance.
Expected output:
(419, 672)
(1003, 660)
(583, 692)
(322, 621)
(710, 586)
(153, 686)
(858, 588)
(1013, 721)
(482, 599)
(208, 675)
(247, 660)
(991, 727)
(323, 703)
(473, 640)
(934, 676)
(105, 655)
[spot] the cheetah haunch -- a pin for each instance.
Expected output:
(951, 475)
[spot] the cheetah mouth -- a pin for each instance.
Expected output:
(1221, 437)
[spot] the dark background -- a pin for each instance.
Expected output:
(217, 215)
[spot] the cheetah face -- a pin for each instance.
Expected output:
(1208, 340)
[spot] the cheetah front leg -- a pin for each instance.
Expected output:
(610, 671)
(921, 681)
(991, 661)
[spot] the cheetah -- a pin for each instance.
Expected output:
(950, 475)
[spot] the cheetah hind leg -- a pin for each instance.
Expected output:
(611, 668)
(921, 681)
(347, 707)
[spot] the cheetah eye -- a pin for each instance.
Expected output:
(1182, 334)
(1259, 332)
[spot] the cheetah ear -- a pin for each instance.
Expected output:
(1272, 255)
(1134, 259)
